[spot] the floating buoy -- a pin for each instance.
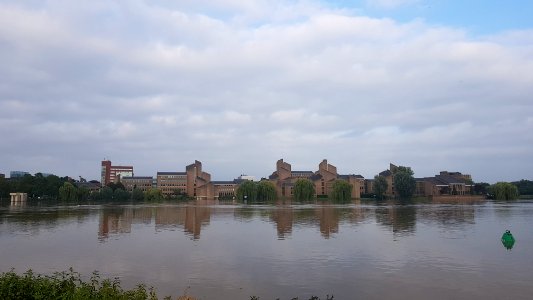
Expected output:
(508, 240)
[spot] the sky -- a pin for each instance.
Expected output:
(434, 85)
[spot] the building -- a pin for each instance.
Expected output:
(172, 183)
(323, 179)
(112, 173)
(199, 182)
(246, 177)
(92, 186)
(18, 174)
(194, 182)
(142, 183)
(2, 176)
(445, 183)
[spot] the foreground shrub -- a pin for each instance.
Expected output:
(67, 285)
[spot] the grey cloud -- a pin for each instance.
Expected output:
(158, 85)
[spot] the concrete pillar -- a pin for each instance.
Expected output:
(18, 197)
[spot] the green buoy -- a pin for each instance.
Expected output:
(508, 240)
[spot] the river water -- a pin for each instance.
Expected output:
(212, 250)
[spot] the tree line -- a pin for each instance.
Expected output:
(303, 191)
(405, 186)
(65, 189)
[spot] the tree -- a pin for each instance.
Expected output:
(380, 186)
(153, 195)
(504, 191)
(303, 190)
(481, 188)
(247, 191)
(121, 195)
(404, 182)
(5, 188)
(106, 193)
(83, 193)
(342, 191)
(525, 187)
(115, 186)
(266, 191)
(137, 195)
(95, 196)
(68, 192)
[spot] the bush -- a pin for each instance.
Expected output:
(67, 285)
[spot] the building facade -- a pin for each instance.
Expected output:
(110, 173)
(18, 174)
(323, 179)
(445, 183)
(142, 183)
(172, 183)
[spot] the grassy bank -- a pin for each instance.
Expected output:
(69, 285)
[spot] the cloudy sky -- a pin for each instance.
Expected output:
(435, 85)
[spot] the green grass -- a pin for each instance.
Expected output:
(67, 285)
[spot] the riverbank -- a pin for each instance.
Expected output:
(70, 285)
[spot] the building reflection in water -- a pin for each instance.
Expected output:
(326, 217)
(451, 214)
(399, 217)
(329, 218)
(283, 218)
(117, 221)
(191, 218)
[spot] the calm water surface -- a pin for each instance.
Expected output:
(212, 250)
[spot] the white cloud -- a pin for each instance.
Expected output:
(389, 4)
(197, 80)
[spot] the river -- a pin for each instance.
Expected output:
(213, 250)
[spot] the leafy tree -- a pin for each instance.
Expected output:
(266, 191)
(68, 192)
(5, 188)
(137, 194)
(380, 186)
(481, 188)
(525, 187)
(247, 190)
(404, 182)
(106, 193)
(115, 186)
(504, 191)
(95, 196)
(24, 184)
(121, 195)
(53, 183)
(153, 195)
(303, 190)
(83, 193)
(342, 191)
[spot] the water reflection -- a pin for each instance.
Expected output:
(371, 249)
(400, 218)
(283, 218)
(119, 220)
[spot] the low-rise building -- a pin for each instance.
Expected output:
(323, 179)
(142, 183)
(445, 183)
(18, 174)
(172, 183)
